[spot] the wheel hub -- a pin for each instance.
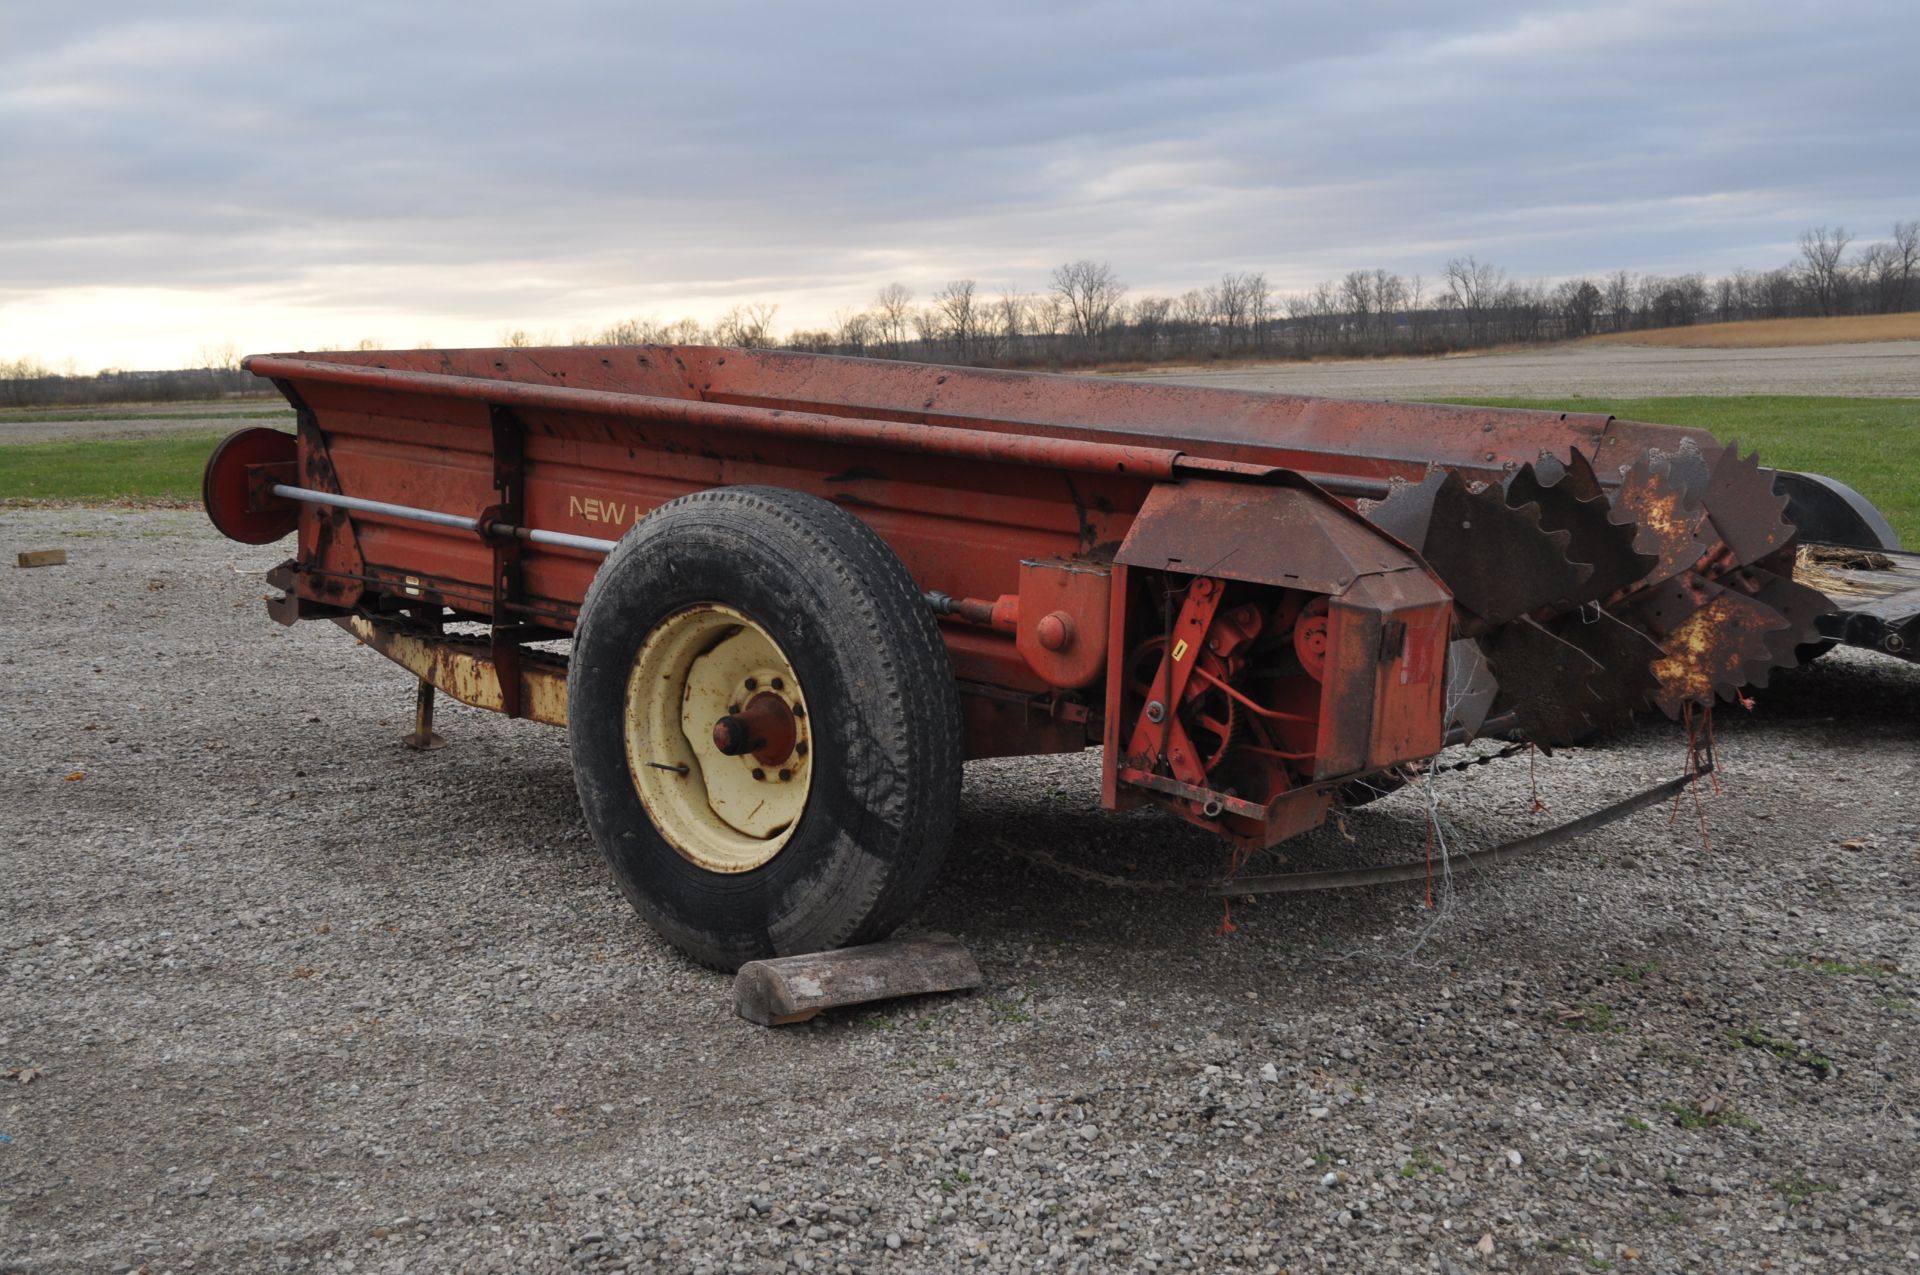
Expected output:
(717, 738)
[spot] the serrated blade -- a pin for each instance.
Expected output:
(1550, 686)
(1661, 496)
(1715, 649)
(1625, 656)
(1570, 500)
(1797, 604)
(1742, 506)
(1497, 561)
(1408, 509)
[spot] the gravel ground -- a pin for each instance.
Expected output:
(279, 995)
(1885, 369)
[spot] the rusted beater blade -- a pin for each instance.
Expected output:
(1661, 494)
(1800, 606)
(1496, 559)
(1551, 686)
(792, 989)
(1742, 505)
(1718, 648)
(1570, 500)
(1625, 655)
(1470, 687)
(1408, 509)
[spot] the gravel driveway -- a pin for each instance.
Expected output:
(279, 995)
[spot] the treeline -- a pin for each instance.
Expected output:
(1085, 314)
(28, 384)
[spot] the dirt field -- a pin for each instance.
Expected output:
(1889, 369)
(1841, 329)
(279, 995)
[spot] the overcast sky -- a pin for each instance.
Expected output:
(283, 176)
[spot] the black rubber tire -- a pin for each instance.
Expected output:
(883, 712)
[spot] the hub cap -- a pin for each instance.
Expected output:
(718, 739)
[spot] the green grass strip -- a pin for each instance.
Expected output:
(160, 467)
(1871, 444)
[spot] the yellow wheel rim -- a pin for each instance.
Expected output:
(724, 813)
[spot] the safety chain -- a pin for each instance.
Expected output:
(1511, 750)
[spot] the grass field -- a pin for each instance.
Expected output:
(1871, 444)
(162, 468)
(43, 415)
(1838, 330)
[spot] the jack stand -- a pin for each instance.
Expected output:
(423, 740)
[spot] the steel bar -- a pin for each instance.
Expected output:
(433, 517)
(1418, 869)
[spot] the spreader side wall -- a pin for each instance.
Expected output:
(961, 527)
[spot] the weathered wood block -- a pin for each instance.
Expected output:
(792, 989)
(43, 558)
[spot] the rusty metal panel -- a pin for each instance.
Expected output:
(1285, 535)
(1063, 619)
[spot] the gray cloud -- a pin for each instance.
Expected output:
(460, 164)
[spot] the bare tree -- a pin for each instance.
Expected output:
(1150, 322)
(1193, 316)
(749, 325)
(1905, 254)
(1472, 286)
(853, 329)
(1259, 305)
(1821, 251)
(892, 312)
(1579, 303)
(222, 357)
(1090, 293)
(1011, 318)
(960, 318)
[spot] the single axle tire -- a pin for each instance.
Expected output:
(817, 814)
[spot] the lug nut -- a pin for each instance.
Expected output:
(759, 773)
(779, 685)
(753, 684)
(785, 775)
